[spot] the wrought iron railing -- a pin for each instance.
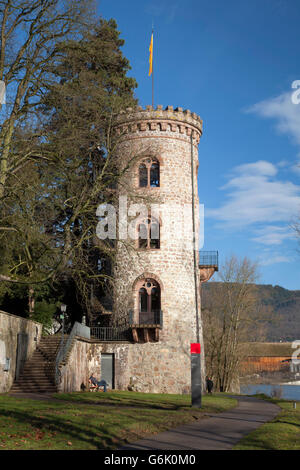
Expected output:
(152, 318)
(61, 355)
(208, 258)
(101, 333)
(147, 318)
(50, 365)
(124, 332)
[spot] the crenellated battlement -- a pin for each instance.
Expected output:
(158, 119)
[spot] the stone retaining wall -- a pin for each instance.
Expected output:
(149, 367)
(29, 335)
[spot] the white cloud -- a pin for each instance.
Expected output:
(284, 111)
(257, 196)
(273, 235)
(260, 199)
(296, 168)
(260, 167)
(163, 9)
(274, 260)
(286, 114)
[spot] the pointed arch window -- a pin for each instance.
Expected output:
(149, 302)
(149, 234)
(149, 173)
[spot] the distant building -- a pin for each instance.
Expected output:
(268, 357)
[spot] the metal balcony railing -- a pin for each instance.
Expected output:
(147, 318)
(208, 259)
(152, 318)
(101, 333)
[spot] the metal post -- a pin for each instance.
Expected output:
(196, 384)
(194, 243)
(196, 375)
(153, 69)
(63, 309)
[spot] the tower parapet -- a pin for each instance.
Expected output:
(175, 120)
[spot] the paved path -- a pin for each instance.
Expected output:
(217, 432)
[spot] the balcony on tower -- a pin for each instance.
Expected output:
(208, 264)
(146, 327)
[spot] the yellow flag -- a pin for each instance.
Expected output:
(151, 56)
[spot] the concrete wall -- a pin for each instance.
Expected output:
(29, 335)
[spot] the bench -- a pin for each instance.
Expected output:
(92, 387)
(95, 388)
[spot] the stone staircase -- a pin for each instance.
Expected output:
(38, 375)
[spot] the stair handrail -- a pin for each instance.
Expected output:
(78, 330)
(50, 365)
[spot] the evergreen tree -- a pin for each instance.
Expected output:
(70, 171)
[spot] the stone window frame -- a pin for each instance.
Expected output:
(139, 222)
(147, 285)
(142, 161)
(136, 290)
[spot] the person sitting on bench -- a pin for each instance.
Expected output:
(97, 383)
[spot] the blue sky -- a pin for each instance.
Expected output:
(233, 63)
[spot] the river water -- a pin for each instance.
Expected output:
(288, 392)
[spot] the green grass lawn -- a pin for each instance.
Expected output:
(95, 420)
(282, 433)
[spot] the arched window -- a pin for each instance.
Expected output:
(154, 174)
(143, 173)
(149, 234)
(149, 302)
(149, 176)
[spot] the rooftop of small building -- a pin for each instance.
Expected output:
(269, 349)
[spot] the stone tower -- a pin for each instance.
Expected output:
(155, 271)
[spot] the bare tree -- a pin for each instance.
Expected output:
(30, 32)
(228, 316)
(296, 228)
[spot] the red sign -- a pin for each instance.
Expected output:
(195, 348)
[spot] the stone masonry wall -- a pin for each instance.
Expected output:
(10, 327)
(144, 367)
(81, 360)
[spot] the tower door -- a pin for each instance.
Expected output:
(107, 369)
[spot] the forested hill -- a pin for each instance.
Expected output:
(285, 309)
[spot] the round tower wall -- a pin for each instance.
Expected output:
(170, 137)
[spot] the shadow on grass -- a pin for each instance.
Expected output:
(102, 422)
(254, 444)
(120, 402)
(81, 435)
(289, 423)
(95, 428)
(210, 403)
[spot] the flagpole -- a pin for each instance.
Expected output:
(152, 72)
